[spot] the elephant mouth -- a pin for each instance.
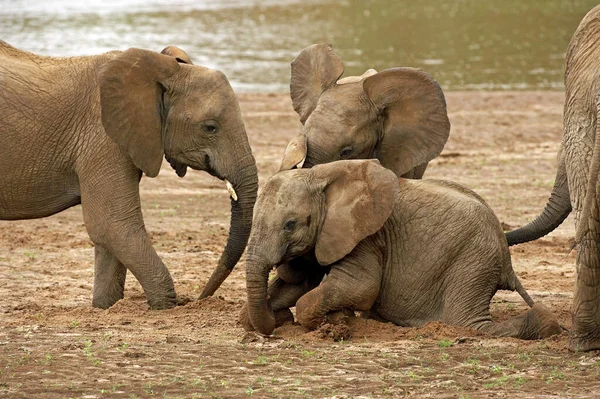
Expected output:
(180, 168)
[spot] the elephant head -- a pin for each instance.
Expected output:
(155, 105)
(397, 116)
(326, 210)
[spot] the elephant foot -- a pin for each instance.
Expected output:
(160, 303)
(580, 341)
(105, 301)
(578, 344)
(282, 316)
(539, 323)
(336, 325)
(340, 316)
(183, 300)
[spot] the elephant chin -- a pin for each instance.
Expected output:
(259, 310)
(180, 168)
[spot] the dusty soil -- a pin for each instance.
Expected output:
(54, 345)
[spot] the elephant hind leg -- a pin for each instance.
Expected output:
(537, 323)
(109, 279)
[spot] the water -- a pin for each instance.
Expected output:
(464, 44)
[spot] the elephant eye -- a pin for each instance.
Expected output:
(346, 153)
(289, 226)
(210, 127)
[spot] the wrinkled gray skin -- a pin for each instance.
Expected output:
(405, 251)
(397, 116)
(577, 185)
(83, 129)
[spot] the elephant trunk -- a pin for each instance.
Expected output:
(556, 211)
(245, 183)
(260, 312)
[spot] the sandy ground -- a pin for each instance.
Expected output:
(54, 345)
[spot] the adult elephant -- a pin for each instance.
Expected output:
(397, 116)
(400, 249)
(83, 129)
(577, 185)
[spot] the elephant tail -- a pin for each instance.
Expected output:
(556, 211)
(509, 281)
(521, 290)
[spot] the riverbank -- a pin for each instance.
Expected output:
(53, 344)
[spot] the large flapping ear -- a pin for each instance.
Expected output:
(359, 197)
(295, 153)
(180, 55)
(314, 70)
(415, 120)
(130, 100)
(183, 58)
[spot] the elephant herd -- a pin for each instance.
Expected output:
(348, 223)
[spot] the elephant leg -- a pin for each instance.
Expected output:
(537, 323)
(353, 283)
(585, 334)
(113, 218)
(283, 295)
(109, 279)
(467, 303)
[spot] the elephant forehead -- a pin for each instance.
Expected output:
(341, 100)
(286, 189)
(209, 91)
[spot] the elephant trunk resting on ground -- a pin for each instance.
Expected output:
(577, 185)
(83, 129)
(406, 251)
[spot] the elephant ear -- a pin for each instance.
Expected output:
(415, 120)
(314, 70)
(183, 58)
(359, 197)
(180, 55)
(131, 100)
(295, 153)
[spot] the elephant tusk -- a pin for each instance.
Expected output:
(231, 190)
(301, 163)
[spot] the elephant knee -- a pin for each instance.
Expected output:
(104, 301)
(310, 311)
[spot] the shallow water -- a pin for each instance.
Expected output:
(464, 44)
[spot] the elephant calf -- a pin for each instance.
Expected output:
(406, 251)
(82, 130)
(398, 115)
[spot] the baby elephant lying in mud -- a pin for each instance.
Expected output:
(405, 251)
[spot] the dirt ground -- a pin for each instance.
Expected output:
(54, 345)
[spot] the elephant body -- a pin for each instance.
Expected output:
(30, 189)
(426, 277)
(81, 130)
(577, 187)
(405, 251)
